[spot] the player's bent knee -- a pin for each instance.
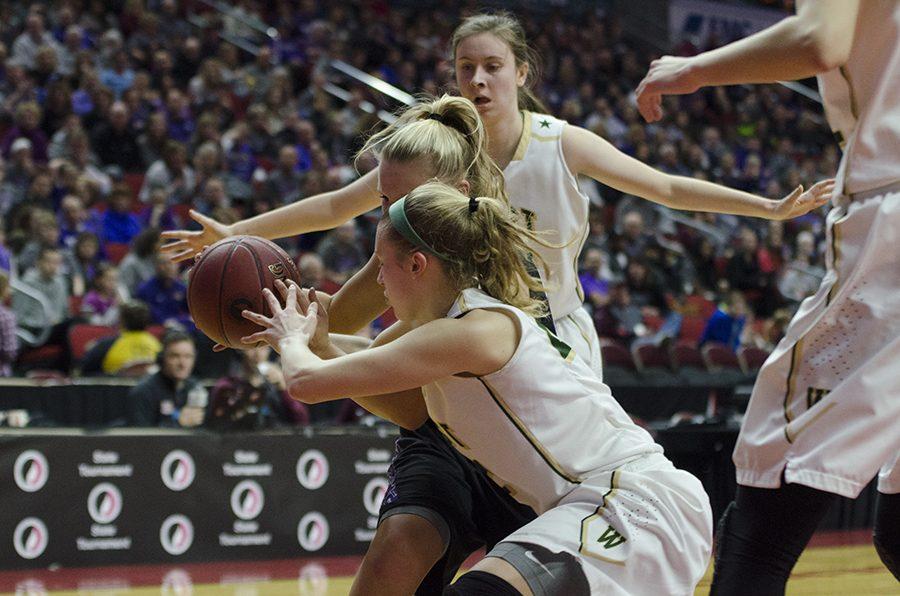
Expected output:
(480, 583)
(544, 571)
(405, 540)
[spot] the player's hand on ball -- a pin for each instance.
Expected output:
(799, 202)
(669, 75)
(284, 322)
(320, 341)
(188, 244)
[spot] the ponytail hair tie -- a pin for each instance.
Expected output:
(446, 122)
(473, 205)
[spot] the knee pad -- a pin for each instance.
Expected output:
(480, 583)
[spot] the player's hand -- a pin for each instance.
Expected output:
(669, 75)
(188, 244)
(284, 322)
(320, 342)
(799, 201)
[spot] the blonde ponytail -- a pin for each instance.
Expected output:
(480, 241)
(447, 135)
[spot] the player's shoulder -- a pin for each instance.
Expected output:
(544, 126)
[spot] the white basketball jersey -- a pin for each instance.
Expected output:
(862, 100)
(541, 424)
(539, 182)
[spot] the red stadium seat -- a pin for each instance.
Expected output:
(82, 337)
(687, 355)
(649, 356)
(157, 331)
(719, 357)
(614, 353)
(751, 358)
(697, 306)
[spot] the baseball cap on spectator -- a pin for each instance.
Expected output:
(20, 144)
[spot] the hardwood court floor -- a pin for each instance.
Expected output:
(826, 568)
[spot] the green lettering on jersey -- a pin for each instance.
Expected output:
(611, 538)
(562, 347)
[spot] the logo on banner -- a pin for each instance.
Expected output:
(178, 470)
(176, 534)
(30, 538)
(312, 469)
(105, 503)
(31, 471)
(247, 499)
(373, 494)
(312, 580)
(312, 531)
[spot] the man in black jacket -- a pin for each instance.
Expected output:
(170, 397)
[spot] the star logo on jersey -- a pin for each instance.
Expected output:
(545, 123)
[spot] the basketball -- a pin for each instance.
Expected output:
(229, 278)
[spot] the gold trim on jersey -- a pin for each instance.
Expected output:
(835, 257)
(796, 354)
(532, 440)
(522, 146)
(613, 486)
(791, 436)
(584, 234)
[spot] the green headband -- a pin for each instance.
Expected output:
(397, 215)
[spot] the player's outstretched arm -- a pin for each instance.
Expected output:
(817, 39)
(588, 154)
(320, 212)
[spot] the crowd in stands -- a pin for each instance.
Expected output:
(116, 118)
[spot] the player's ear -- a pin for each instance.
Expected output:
(418, 262)
(464, 187)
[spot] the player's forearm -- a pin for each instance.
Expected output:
(816, 40)
(300, 367)
(307, 215)
(359, 301)
(689, 194)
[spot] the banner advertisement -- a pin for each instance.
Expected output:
(85, 499)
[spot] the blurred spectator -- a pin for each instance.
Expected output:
(115, 141)
(285, 183)
(619, 318)
(131, 347)
(727, 323)
(158, 213)
(9, 341)
(26, 46)
(312, 271)
(47, 282)
(744, 272)
(44, 233)
(166, 295)
(75, 220)
(120, 225)
(803, 275)
(152, 142)
(85, 261)
(5, 254)
(595, 277)
(172, 173)
(100, 305)
(341, 252)
(139, 264)
(118, 77)
(252, 396)
(27, 126)
(170, 397)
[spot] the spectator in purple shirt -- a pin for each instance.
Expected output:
(166, 295)
(28, 120)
